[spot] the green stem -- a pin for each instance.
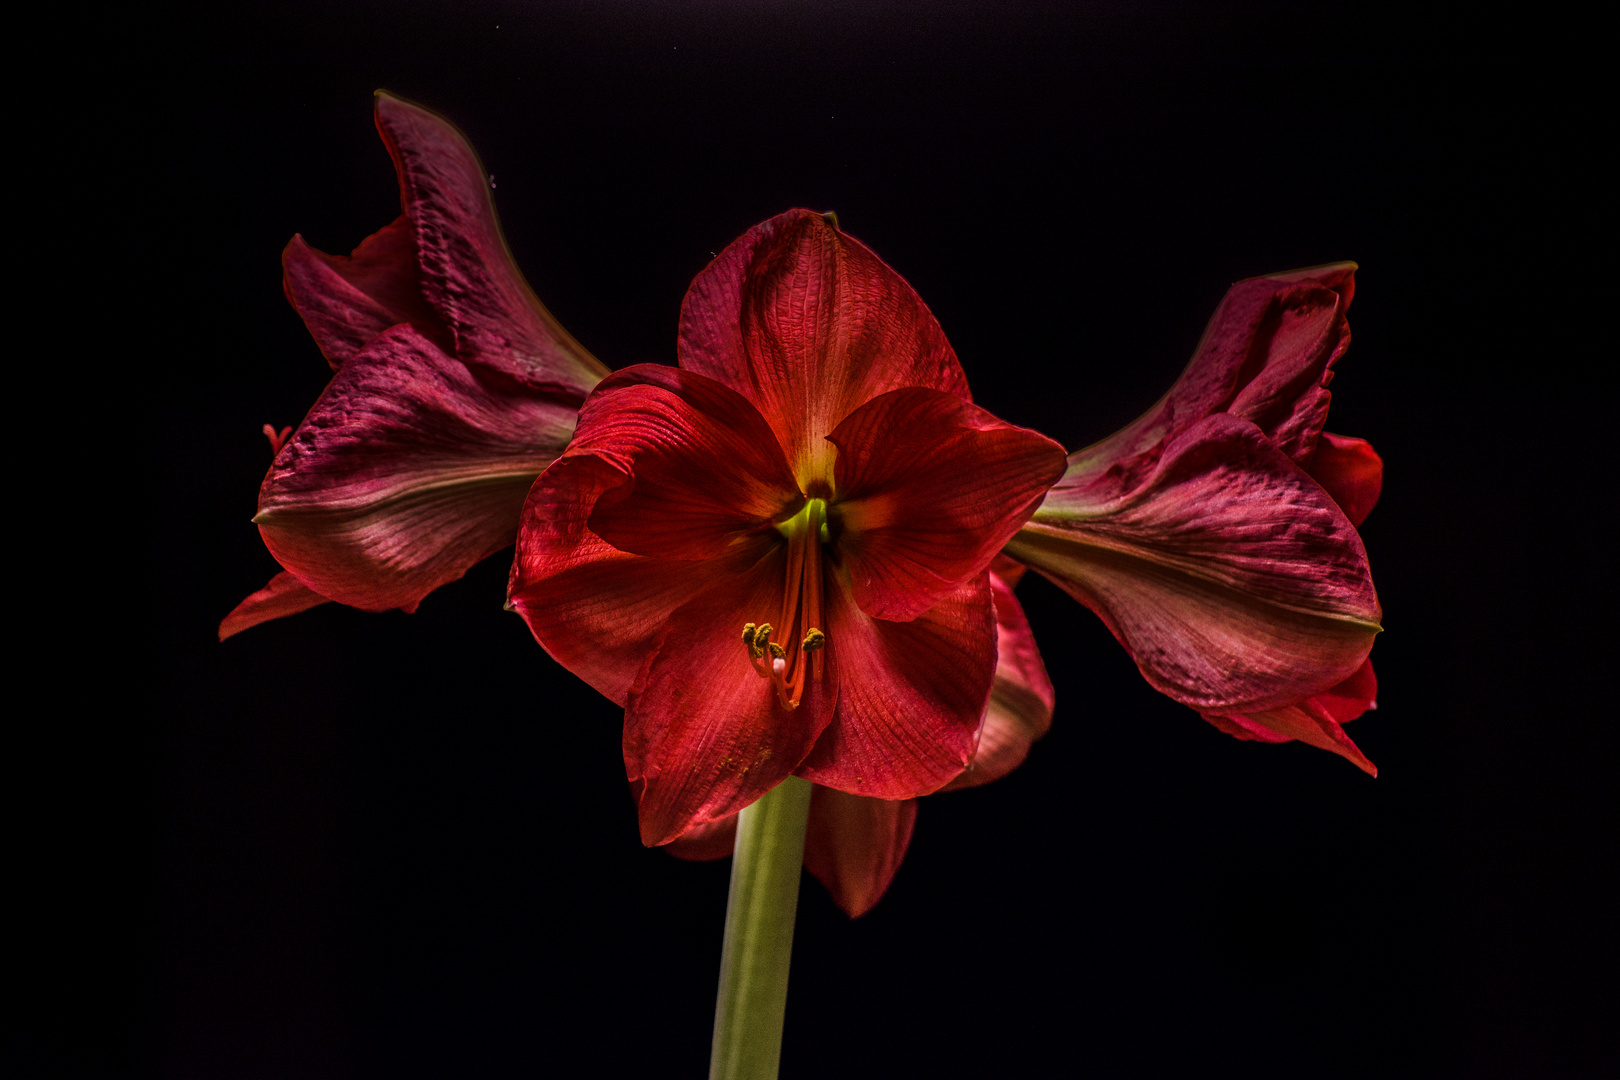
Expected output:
(759, 934)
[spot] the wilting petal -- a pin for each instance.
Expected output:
(1351, 471)
(1231, 577)
(911, 695)
(407, 471)
(466, 273)
(1265, 356)
(808, 324)
(704, 465)
(347, 301)
(1021, 697)
(929, 489)
(597, 610)
(854, 845)
(284, 595)
(704, 733)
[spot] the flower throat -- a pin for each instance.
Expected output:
(788, 666)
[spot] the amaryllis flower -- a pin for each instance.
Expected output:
(453, 389)
(776, 556)
(854, 843)
(1216, 535)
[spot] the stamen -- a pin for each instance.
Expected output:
(813, 640)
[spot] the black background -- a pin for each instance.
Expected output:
(397, 846)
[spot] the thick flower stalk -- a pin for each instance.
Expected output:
(453, 389)
(777, 555)
(1216, 535)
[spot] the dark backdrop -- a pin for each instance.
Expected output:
(398, 846)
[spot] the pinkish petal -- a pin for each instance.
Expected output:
(808, 324)
(1266, 357)
(1230, 576)
(704, 734)
(597, 610)
(1351, 471)
(1352, 697)
(704, 466)
(911, 698)
(854, 845)
(1021, 698)
(284, 595)
(347, 301)
(929, 489)
(466, 273)
(407, 471)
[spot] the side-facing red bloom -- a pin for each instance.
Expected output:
(777, 556)
(1216, 535)
(453, 389)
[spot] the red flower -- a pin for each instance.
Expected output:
(454, 388)
(776, 556)
(1216, 535)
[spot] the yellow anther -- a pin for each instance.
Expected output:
(813, 640)
(761, 639)
(748, 633)
(776, 650)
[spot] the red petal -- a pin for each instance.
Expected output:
(1265, 357)
(808, 324)
(346, 302)
(929, 489)
(705, 467)
(1351, 471)
(854, 845)
(1309, 721)
(284, 595)
(407, 471)
(709, 841)
(1021, 698)
(466, 272)
(597, 610)
(1230, 576)
(911, 695)
(704, 734)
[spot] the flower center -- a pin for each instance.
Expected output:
(787, 666)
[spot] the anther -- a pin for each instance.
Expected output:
(748, 634)
(776, 650)
(813, 640)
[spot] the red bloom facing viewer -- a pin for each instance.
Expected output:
(454, 388)
(777, 555)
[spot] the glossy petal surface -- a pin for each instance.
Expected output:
(808, 324)
(407, 471)
(929, 489)
(911, 698)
